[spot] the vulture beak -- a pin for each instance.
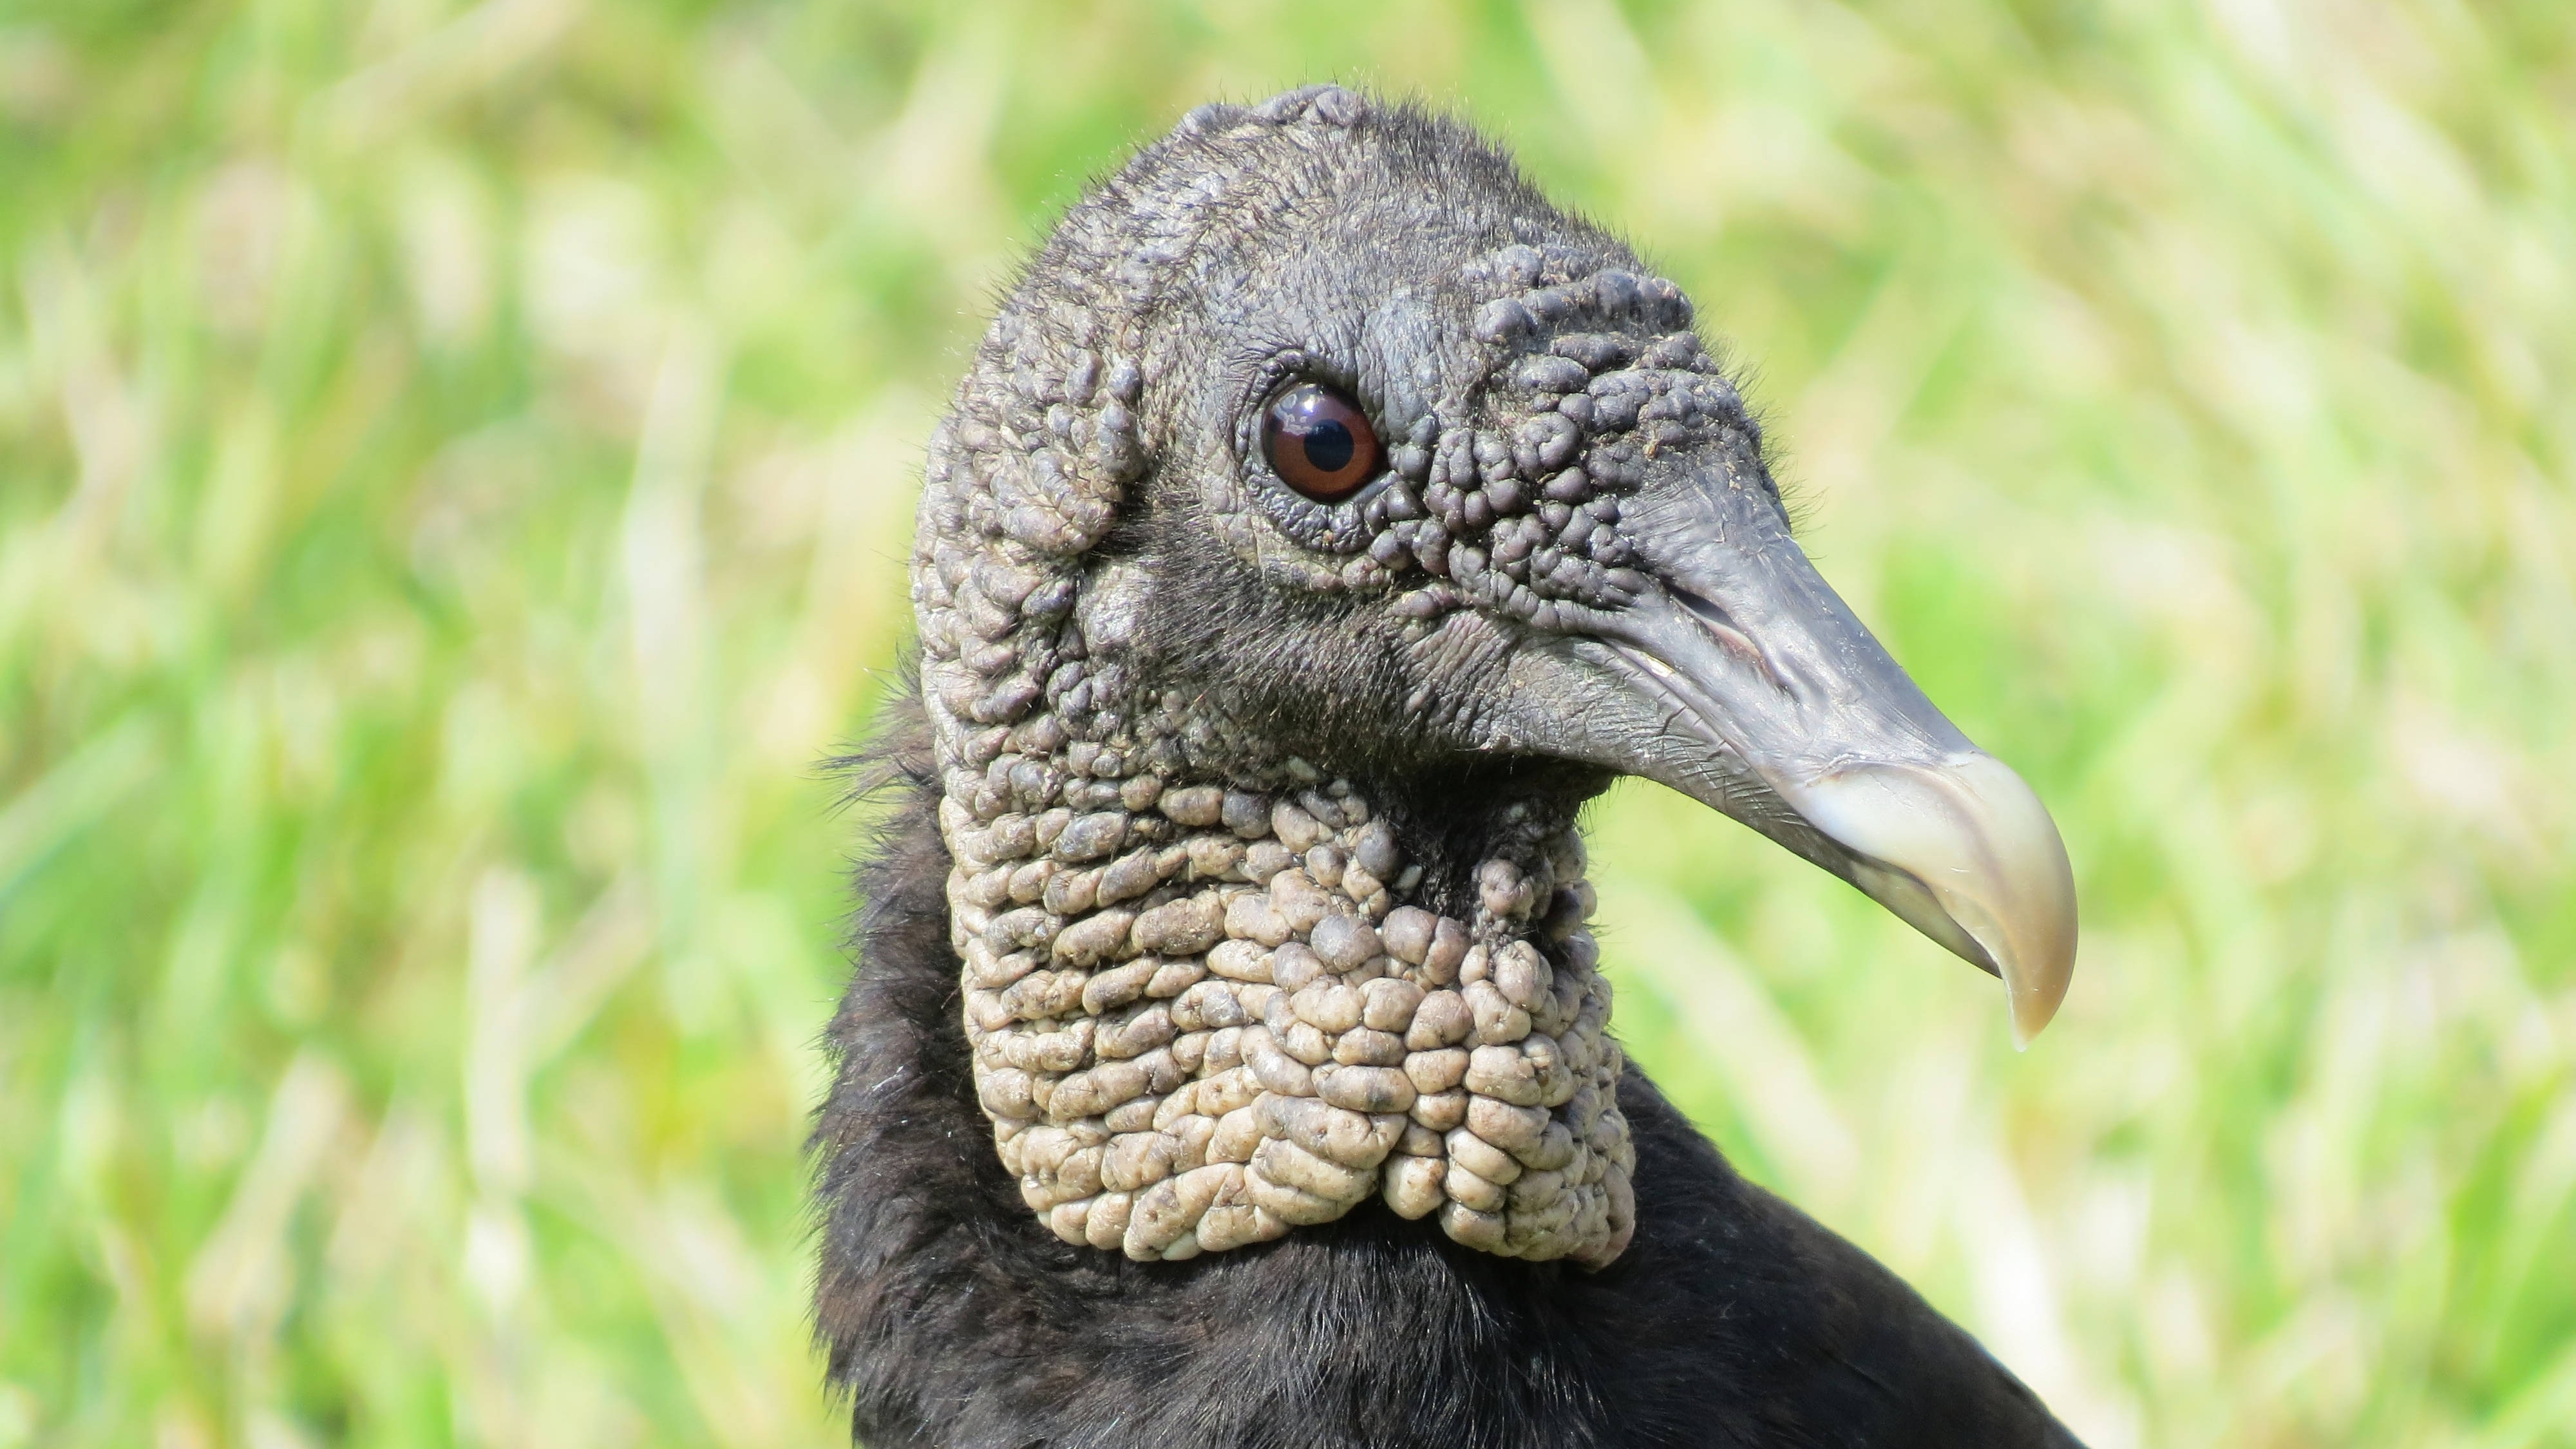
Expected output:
(1743, 681)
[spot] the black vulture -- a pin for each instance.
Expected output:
(1324, 518)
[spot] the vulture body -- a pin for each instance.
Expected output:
(1325, 518)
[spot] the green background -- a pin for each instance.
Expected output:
(455, 471)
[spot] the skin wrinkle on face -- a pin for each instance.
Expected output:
(1230, 964)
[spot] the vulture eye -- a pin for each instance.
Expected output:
(1319, 442)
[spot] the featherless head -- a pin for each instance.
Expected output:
(1324, 518)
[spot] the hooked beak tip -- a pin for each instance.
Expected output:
(1964, 852)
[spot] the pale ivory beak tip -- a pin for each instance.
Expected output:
(1964, 852)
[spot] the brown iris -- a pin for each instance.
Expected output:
(1319, 442)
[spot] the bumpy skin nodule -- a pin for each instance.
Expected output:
(1224, 903)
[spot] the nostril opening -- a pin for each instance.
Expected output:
(1707, 609)
(1713, 616)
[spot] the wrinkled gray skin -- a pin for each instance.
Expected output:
(1202, 753)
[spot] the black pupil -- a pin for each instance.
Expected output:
(1319, 442)
(1329, 444)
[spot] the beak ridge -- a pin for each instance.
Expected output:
(1743, 681)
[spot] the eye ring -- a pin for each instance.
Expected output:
(1319, 442)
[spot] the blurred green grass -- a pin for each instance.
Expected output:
(455, 468)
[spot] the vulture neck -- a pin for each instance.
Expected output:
(1214, 993)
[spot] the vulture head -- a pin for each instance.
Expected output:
(1324, 518)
